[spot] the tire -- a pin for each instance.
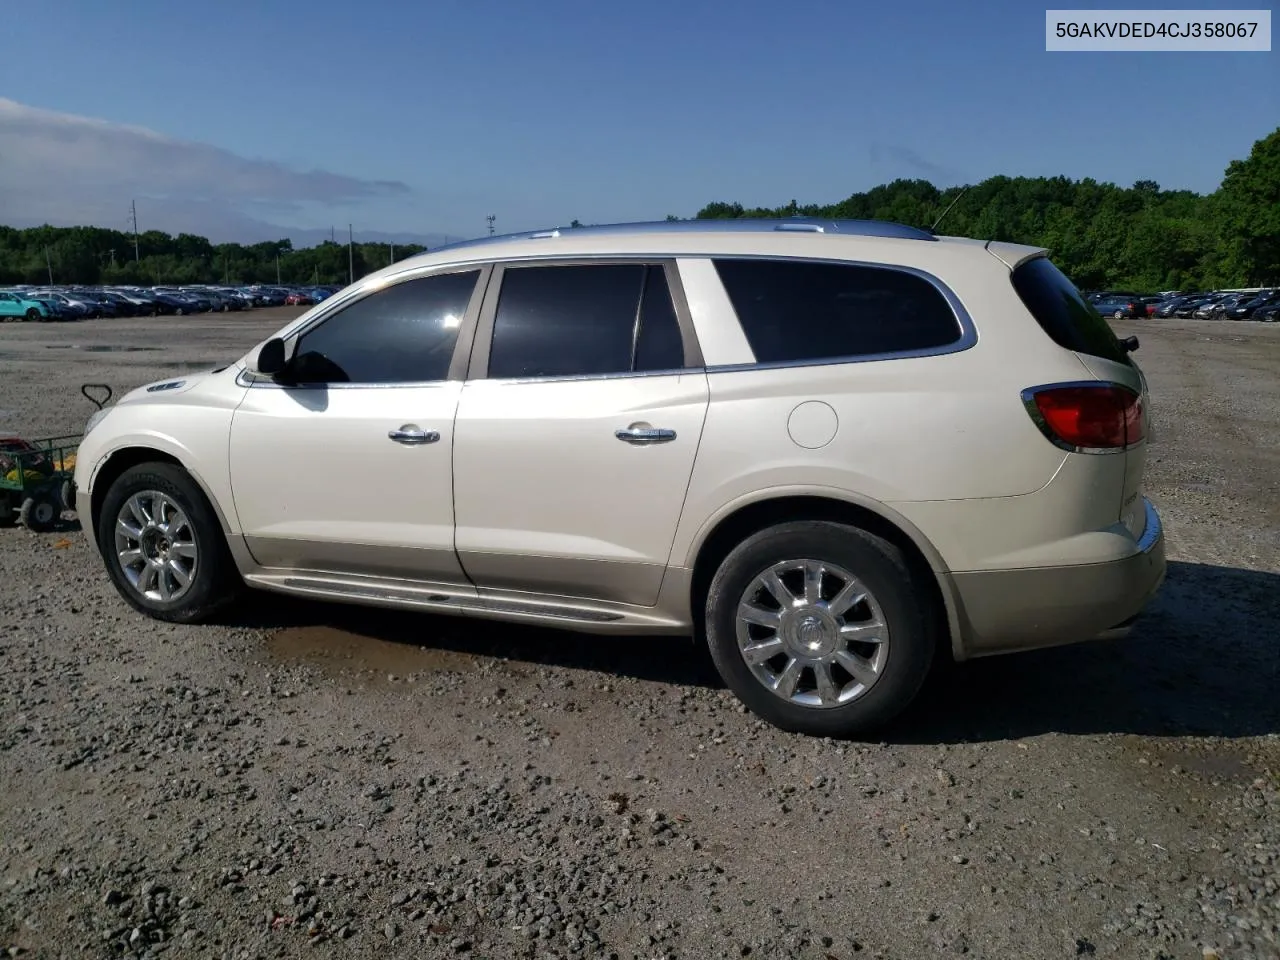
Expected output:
(40, 512)
(33, 315)
(179, 311)
(67, 494)
(1118, 315)
(192, 532)
(891, 669)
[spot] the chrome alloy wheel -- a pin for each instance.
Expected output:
(156, 546)
(812, 633)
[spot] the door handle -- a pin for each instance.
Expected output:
(642, 434)
(411, 435)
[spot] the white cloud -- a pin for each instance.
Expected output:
(61, 168)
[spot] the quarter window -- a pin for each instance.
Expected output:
(583, 320)
(794, 311)
(405, 333)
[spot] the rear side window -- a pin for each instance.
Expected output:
(796, 311)
(584, 320)
(1063, 313)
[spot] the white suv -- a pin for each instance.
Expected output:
(834, 449)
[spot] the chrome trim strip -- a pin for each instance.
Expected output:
(968, 331)
(1153, 530)
(441, 599)
(1029, 404)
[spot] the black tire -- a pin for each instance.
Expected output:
(67, 494)
(179, 311)
(1118, 315)
(215, 581)
(33, 315)
(883, 569)
(40, 512)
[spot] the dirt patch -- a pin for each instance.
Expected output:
(347, 652)
(1221, 765)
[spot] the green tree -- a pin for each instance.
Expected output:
(1249, 207)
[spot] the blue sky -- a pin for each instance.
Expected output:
(424, 117)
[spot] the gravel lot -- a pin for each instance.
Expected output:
(384, 785)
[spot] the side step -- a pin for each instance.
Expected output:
(588, 616)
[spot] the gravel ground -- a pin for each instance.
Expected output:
(368, 784)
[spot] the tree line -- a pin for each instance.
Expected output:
(93, 255)
(1102, 235)
(1139, 238)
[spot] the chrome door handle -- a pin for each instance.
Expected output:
(644, 434)
(412, 435)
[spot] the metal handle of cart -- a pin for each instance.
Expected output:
(85, 389)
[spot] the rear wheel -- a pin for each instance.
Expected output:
(820, 628)
(33, 315)
(163, 545)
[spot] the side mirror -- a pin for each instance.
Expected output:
(271, 358)
(1129, 344)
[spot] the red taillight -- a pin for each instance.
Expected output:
(1087, 417)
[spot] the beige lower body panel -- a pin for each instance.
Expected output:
(1003, 611)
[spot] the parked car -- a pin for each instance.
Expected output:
(1249, 304)
(99, 306)
(1120, 307)
(1188, 310)
(1168, 308)
(1212, 309)
(74, 308)
(299, 298)
(18, 306)
(835, 455)
(1268, 314)
(123, 305)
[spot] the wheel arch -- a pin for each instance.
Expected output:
(121, 459)
(740, 520)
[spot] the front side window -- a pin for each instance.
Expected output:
(404, 333)
(584, 320)
(795, 311)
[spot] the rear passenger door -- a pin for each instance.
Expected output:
(577, 430)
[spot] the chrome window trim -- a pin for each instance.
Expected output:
(968, 332)
(1029, 403)
(476, 332)
(462, 345)
(478, 368)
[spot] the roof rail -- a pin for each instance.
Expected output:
(860, 228)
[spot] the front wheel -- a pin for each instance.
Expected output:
(163, 545)
(820, 628)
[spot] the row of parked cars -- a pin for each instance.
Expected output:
(83, 303)
(1217, 305)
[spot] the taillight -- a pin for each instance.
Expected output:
(1087, 417)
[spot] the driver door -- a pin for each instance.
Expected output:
(344, 464)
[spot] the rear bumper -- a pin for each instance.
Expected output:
(1002, 611)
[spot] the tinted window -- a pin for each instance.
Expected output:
(795, 311)
(585, 319)
(403, 334)
(1063, 314)
(659, 345)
